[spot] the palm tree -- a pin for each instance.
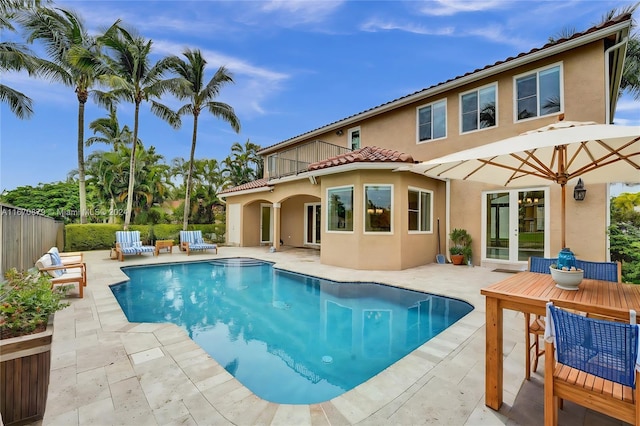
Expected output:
(16, 57)
(134, 79)
(200, 96)
(248, 153)
(107, 174)
(110, 131)
(62, 32)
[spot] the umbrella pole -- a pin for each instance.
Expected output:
(562, 219)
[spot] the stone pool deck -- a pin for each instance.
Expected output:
(108, 371)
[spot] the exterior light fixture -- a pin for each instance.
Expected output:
(339, 132)
(579, 192)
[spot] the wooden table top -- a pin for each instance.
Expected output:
(537, 289)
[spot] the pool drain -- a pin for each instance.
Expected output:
(327, 359)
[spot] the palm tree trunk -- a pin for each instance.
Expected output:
(112, 211)
(132, 166)
(81, 178)
(187, 198)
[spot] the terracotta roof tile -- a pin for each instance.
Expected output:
(614, 21)
(369, 154)
(249, 185)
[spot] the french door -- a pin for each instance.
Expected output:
(516, 224)
(266, 224)
(312, 221)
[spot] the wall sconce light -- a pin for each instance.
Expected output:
(579, 192)
(339, 132)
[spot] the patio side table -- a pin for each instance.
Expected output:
(164, 244)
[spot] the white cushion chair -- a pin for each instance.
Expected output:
(63, 274)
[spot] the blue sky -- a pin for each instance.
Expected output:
(297, 65)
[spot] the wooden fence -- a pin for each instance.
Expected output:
(24, 236)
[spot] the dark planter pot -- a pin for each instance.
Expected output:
(457, 259)
(25, 367)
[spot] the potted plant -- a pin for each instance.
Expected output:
(461, 247)
(27, 305)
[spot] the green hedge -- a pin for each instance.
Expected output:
(103, 236)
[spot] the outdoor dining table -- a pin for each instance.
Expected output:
(529, 292)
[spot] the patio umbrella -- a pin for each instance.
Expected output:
(556, 153)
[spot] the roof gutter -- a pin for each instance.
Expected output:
(495, 69)
(246, 191)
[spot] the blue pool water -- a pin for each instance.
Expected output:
(289, 338)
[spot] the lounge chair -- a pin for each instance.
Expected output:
(192, 240)
(63, 274)
(591, 362)
(128, 242)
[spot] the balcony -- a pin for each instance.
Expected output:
(296, 160)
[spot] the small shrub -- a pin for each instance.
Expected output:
(27, 301)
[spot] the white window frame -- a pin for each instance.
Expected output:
(327, 210)
(306, 222)
(537, 72)
(477, 90)
(350, 133)
(419, 190)
(418, 141)
(364, 209)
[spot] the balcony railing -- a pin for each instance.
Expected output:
(296, 160)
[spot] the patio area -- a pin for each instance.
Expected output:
(108, 371)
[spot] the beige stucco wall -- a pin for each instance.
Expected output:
(586, 221)
(385, 251)
(292, 219)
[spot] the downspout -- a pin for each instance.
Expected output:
(607, 77)
(447, 215)
(608, 120)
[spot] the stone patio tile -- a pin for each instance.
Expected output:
(291, 415)
(99, 411)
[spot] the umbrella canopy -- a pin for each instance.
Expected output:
(559, 152)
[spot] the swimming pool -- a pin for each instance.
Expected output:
(289, 338)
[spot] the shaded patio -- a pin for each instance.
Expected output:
(106, 370)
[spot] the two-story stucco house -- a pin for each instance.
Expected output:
(345, 187)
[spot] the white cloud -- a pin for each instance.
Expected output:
(297, 12)
(452, 7)
(374, 25)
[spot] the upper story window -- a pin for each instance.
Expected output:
(539, 93)
(354, 138)
(432, 121)
(478, 108)
(420, 210)
(377, 211)
(340, 208)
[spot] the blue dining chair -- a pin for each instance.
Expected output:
(541, 264)
(591, 362)
(605, 271)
